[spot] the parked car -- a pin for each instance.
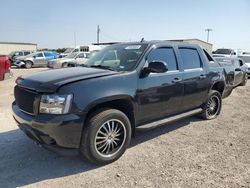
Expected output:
(66, 52)
(236, 67)
(78, 58)
(246, 59)
(226, 52)
(96, 108)
(36, 59)
(4, 67)
(16, 54)
(79, 63)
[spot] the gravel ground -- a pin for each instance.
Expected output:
(188, 153)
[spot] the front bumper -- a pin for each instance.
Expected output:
(19, 63)
(54, 132)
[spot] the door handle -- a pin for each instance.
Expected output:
(176, 80)
(202, 76)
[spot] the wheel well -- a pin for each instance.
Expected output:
(30, 62)
(219, 86)
(124, 105)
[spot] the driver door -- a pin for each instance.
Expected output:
(160, 94)
(39, 59)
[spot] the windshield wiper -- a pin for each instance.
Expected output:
(103, 67)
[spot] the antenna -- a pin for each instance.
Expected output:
(142, 39)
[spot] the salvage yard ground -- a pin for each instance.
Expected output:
(188, 153)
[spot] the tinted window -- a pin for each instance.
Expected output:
(26, 53)
(190, 58)
(39, 55)
(164, 54)
(122, 57)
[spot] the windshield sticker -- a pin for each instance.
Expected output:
(133, 47)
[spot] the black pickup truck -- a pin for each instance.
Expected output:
(96, 108)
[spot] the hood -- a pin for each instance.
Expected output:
(50, 80)
(20, 58)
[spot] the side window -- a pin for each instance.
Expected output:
(39, 55)
(211, 61)
(190, 58)
(81, 55)
(26, 53)
(164, 54)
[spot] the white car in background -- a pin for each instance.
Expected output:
(246, 59)
(226, 52)
(78, 58)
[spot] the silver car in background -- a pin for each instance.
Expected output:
(37, 59)
(78, 58)
(246, 59)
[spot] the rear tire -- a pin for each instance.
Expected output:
(212, 107)
(106, 136)
(28, 64)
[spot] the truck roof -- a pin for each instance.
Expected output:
(154, 42)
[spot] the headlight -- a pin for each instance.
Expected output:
(55, 104)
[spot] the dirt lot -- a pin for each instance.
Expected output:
(189, 153)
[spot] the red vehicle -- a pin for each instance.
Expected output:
(4, 67)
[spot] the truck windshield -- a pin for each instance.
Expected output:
(121, 57)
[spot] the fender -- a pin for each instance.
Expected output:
(110, 99)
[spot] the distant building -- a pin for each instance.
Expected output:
(203, 44)
(7, 47)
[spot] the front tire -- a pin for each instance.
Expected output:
(64, 65)
(28, 64)
(212, 107)
(106, 136)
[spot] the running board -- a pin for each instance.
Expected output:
(168, 120)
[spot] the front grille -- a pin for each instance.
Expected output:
(24, 99)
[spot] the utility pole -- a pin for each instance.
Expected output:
(75, 38)
(208, 31)
(98, 34)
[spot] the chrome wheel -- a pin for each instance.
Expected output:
(213, 106)
(110, 138)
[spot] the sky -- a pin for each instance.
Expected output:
(53, 23)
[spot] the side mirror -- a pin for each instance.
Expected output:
(34, 57)
(156, 66)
